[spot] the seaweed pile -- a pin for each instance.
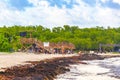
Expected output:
(45, 70)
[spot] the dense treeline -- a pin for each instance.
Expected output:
(83, 38)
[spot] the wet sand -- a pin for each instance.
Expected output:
(109, 55)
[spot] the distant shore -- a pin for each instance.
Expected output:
(45, 68)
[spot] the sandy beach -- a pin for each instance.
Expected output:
(29, 66)
(19, 58)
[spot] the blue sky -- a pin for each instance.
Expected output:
(19, 4)
(51, 13)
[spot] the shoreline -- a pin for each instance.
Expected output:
(47, 69)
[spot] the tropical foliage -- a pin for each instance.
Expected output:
(83, 38)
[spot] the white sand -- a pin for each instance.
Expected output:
(94, 70)
(18, 58)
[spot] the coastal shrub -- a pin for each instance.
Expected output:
(83, 38)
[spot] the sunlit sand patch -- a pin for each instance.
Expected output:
(91, 71)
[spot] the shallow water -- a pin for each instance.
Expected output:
(107, 69)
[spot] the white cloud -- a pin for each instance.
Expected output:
(3, 5)
(116, 1)
(106, 17)
(104, 1)
(42, 13)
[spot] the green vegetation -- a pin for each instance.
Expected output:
(83, 38)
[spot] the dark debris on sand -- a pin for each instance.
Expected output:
(46, 69)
